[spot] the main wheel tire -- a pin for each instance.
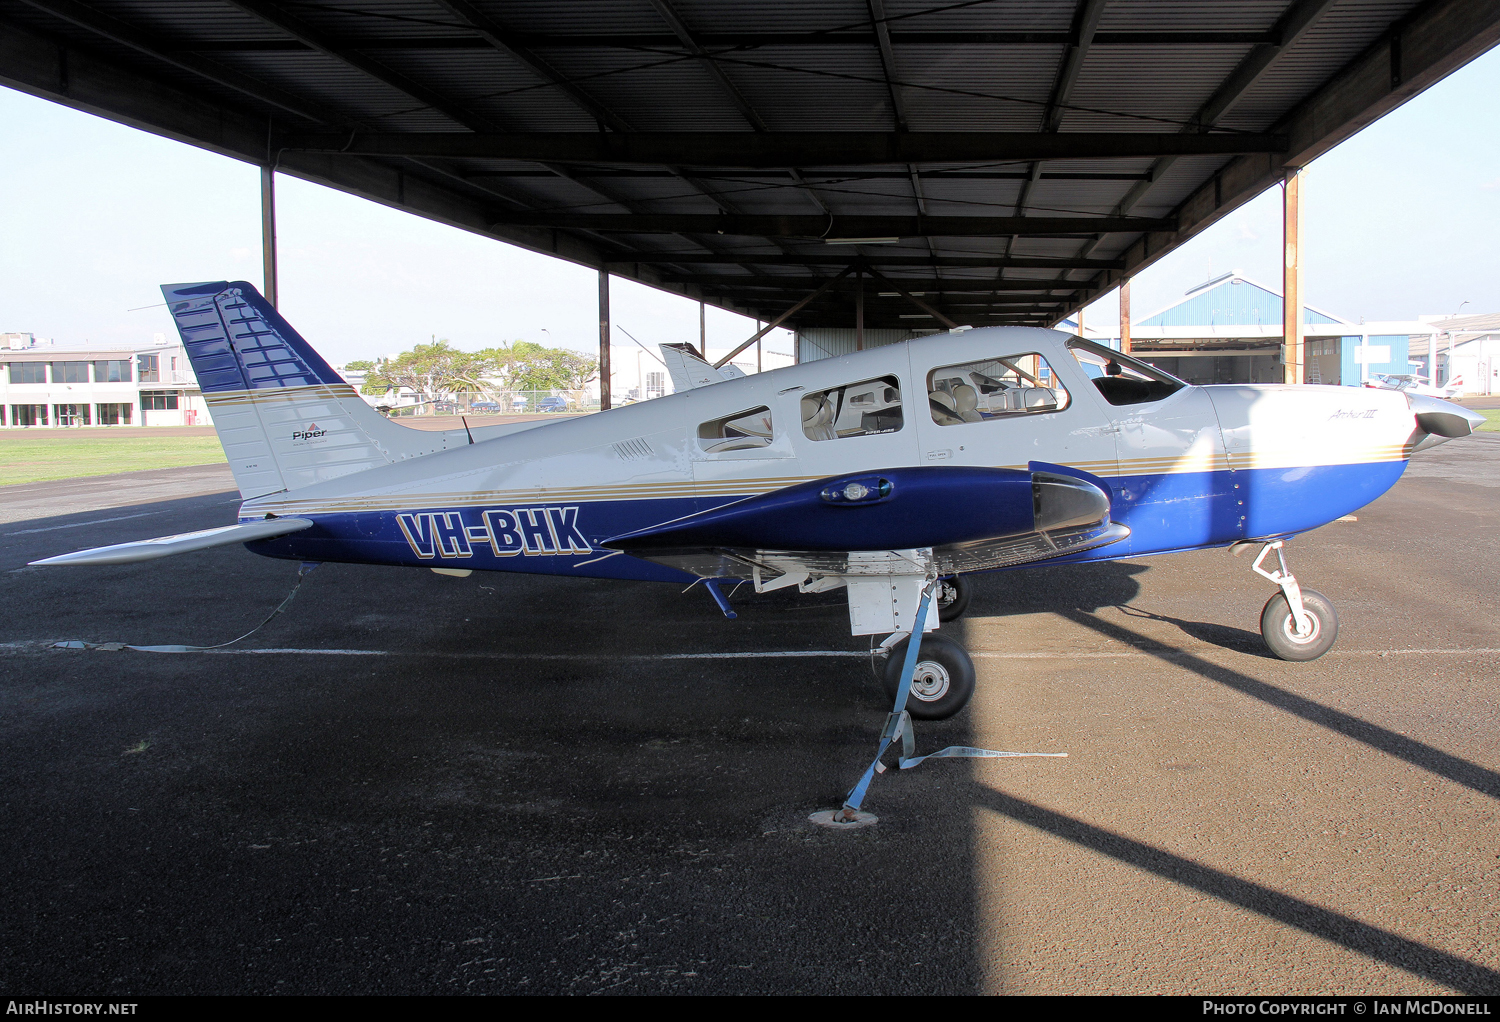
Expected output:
(953, 597)
(942, 682)
(1279, 628)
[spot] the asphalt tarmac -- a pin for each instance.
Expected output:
(410, 783)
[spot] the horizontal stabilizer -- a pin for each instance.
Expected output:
(165, 546)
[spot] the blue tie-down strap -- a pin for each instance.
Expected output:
(898, 724)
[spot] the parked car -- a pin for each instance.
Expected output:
(485, 407)
(552, 403)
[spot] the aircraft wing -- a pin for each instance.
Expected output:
(165, 546)
(892, 522)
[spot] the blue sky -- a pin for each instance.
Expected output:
(1403, 219)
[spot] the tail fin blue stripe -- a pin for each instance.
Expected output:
(235, 340)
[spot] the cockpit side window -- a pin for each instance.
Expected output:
(1121, 379)
(857, 409)
(741, 431)
(994, 388)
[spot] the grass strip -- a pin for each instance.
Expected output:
(37, 456)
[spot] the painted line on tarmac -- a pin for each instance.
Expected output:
(757, 654)
(101, 521)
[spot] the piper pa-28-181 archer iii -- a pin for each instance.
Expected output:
(891, 472)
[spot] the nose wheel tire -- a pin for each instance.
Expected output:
(942, 682)
(953, 598)
(1279, 628)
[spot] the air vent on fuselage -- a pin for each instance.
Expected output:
(633, 450)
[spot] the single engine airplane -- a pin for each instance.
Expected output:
(1413, 384)
(878, 472)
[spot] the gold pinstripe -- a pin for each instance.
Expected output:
(272, 395)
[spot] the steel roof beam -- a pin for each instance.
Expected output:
(1085, 25)
(1432, 42)
(668, 14)
(1289, 28)
(740, 40)
(836, 177)
(78, 78)
(836, 227)
(506, 41)
(118, 31)
(914, 259)
(305, 33)
(781, 149)
(948, 285)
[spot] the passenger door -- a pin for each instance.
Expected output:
(1010, 408)
(853, 415)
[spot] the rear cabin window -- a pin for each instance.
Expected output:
(857, 409)
(996, 388)
(741, 431)
(1121, 379)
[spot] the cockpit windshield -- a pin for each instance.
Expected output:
(1121, 379)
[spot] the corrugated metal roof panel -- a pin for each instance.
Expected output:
(835, 85)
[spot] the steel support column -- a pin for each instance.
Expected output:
(859, 313)
(1291, 276)
(703, 331)
(1125, 316)
(604, 335)
(268, 234)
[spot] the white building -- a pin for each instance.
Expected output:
(52, 385)
(1468, 347)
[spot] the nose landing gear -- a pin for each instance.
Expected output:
(1298, 624)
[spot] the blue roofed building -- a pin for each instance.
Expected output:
(1229, 330)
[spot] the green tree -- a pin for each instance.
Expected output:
(428, 369)
(526, 365)
(439, 368)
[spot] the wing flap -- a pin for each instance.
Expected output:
(957, 559)
(166, 546)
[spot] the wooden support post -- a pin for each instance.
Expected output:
(859, 313)
(757, 346)
(1291, 276)
(1080, 321)
(604, 335)
(1125, 316)
(268, 234)
(703, 331)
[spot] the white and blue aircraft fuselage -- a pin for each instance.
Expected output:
(876, 471)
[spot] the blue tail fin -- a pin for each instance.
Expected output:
(237, 341)
(285, 418)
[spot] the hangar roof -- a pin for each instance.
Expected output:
(972, 161)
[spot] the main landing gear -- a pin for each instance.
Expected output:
(953, 597)
(1298, 624)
